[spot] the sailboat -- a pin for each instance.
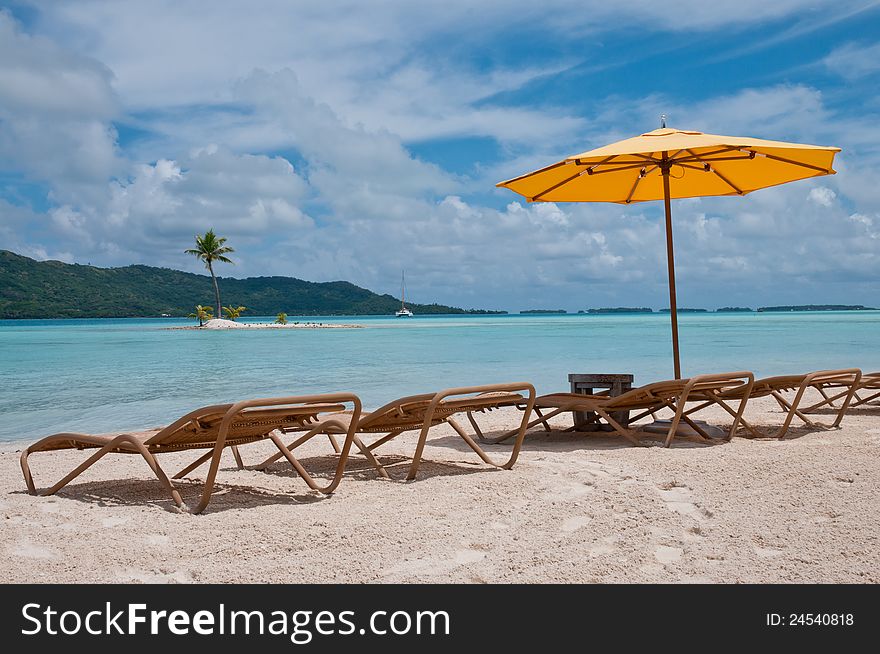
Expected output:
(403, 312)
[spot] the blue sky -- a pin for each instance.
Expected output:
(350, 140)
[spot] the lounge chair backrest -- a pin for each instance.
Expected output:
(673, 389)
(410, 412)
(200, 428)
(768, 385)
(647, 395)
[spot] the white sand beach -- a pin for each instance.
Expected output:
(575, 508)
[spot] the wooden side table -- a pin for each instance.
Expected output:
(587, 384)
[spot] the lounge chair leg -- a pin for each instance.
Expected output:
(471, 442)
(673, 427)
(295, 444)
(26, 471)
(537, 421)
(477, 430)
(89, 462)
(846, 402)
(623, 431)
(546, 424)
(828, 401)
(371, 457)
(792, 410)
(237, 455)
(195, 464)
(701, 433)
(755, 433)
(157, 470)
(334, 443)
(286, 453)
(420, 447)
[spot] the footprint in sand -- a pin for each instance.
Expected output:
(679, 500)
(466, 556)
(156, 576)
(567, 489)
(574, 523)
(29, 550)
(597, 470)
(432, 567)
(109, 523)
(666, 554)
(767, 552)
(601, 549)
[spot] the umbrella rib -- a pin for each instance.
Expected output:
(534, 172)
(794, 163)
(646, 157)
(590, 171)
(581, 162)
(577, 162)
(687, 165)
(636, 183)
(638, 162)
(738, 190)
(565, 181)
(705, 154)
(705, 159)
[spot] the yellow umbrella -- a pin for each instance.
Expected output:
(673, 163)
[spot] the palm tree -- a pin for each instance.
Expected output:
(281, 319)
(233, 312)
(202, 313)
(209, 248)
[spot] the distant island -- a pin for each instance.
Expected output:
(817, 307)
(685, 311)
(620, 310)
(544, 311)
(52, 289)
(797, 307)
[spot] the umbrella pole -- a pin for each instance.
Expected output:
(670, 262)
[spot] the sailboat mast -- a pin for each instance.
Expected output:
(402, 290)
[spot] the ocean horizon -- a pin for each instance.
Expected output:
(106, 374)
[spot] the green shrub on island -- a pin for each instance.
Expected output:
(232, 313)
(281, 319)
(202, 314)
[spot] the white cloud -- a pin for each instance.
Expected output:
(854, 60)
(55, 111)
(153, 215)
(822, 196)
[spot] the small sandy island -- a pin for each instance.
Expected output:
(219, 323)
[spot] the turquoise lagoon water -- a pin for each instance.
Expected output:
(108, 374)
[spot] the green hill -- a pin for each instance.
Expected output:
(52, 289)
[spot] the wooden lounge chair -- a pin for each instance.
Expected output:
(648, 399)
(211, 428)
(422, 412)
(868, 385)
(799, 384)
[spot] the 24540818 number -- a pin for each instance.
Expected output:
(810, 619)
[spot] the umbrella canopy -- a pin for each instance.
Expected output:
(673, 163)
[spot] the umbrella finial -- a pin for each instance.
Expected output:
(662, 121)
